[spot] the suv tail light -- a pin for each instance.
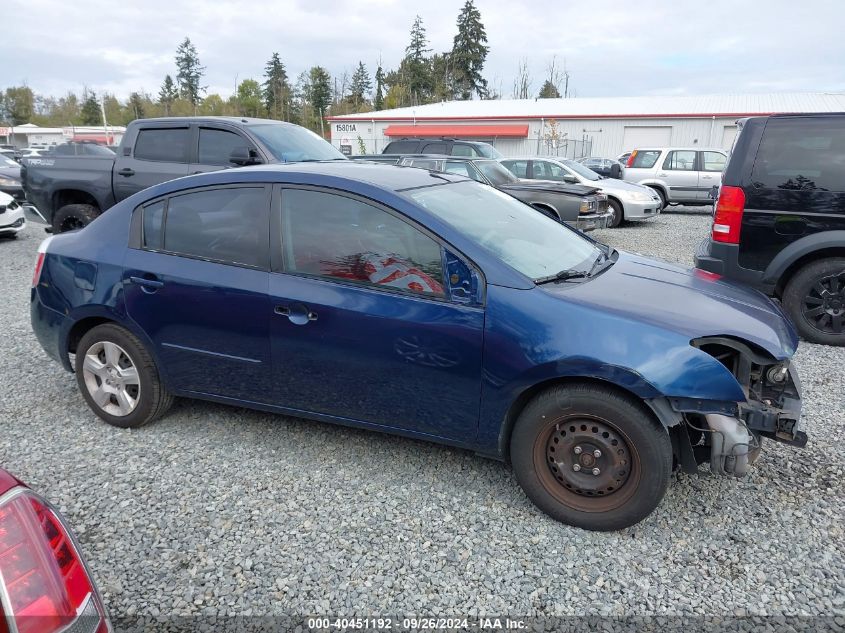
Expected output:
(44, 585)
(39, 261)
(727, 219)
(630, 162)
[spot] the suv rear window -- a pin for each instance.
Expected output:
(401, 147)
(169, 145)
(646, 158)
(802, 154)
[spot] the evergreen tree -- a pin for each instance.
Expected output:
(168, 94)
(276, 89)
(549, 91)
(469, 52)
(416, 68)
(91, 114)
(378, 99)
(136, 106)
(189, 73)
(319, 92)
(249, 98)
(361, 85)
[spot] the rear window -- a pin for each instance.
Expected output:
(401, 147)
(645, 158)
(802, 154)
(169, 145)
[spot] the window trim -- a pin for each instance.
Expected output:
(136, 231)
(277, 264)
(187, 160)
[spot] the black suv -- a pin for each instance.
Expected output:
(779, 223)
(442, 147)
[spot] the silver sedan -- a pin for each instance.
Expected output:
(627, 200)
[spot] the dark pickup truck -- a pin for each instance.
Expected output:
(71, 191)
(579, 206)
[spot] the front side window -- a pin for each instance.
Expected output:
(581, 170)
(215, 146)
(712, 161)
(645, 159)
(680, 160)
(806, 153)
(495, 172)
(332, 236)
(518, 168)
(529, 242)
(457, 167)
(546, 170)
(169, 145)
(229, 225)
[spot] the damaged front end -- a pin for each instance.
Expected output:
(729, 434)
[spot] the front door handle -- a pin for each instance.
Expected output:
(707, 177)
(147, 285)
(126, 172)
(297, 313)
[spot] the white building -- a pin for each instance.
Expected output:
(28, 134)
(575, 127)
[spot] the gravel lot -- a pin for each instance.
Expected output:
(216, 510)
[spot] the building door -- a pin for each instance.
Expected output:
(636, 136)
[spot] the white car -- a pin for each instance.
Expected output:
(12, 220)
(626, 200)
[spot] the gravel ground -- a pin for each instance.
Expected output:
(217, 510)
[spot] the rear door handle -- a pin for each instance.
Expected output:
(126, 172)
(297, 313)
(147, 285)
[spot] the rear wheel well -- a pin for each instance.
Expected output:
(526, 396)
(73, 196)
(798, 264)
(80, 328)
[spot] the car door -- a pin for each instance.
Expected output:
(711, 166)
(364, 327)
(196, 280)
(680, 173)
(158, 154)
(214, 147)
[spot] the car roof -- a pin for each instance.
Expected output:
(672, 148)
(210, 119)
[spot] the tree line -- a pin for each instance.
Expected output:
(421, 77)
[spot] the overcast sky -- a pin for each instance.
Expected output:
(611, 47)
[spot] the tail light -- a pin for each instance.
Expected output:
(39, 261)
(630, 162)
(727, 219)
(44, 585)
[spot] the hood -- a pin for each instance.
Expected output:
(690, 302)
(613, 184)
(550, 185)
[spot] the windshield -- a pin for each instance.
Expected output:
(495, 172)
(488, 151)
(584, 172)
(291, 143)
(521, 236)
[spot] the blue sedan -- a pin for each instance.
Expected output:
(427, 305)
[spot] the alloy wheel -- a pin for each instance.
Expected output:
(111, 378)
(824, 304)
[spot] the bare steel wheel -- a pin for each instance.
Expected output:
(118, 378)
(111, 378)
(591, 456)
(588, 463)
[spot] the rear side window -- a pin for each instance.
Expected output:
(327, 235)
(712, 161)
(229, 225)
(435, 148)
(169, 145)
(646, 158)
(464, 150)
(802, 154)
(216, 146)
(680, 160)
(401, 147)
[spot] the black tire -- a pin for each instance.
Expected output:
(634, 457)
(618, 216)
(152, 399)
(662, 197)
(74, 216)
(814, 299)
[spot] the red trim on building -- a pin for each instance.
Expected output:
(718, 115)
(517, 131)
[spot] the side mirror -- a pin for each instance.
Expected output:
(243, 156)
(572, 180)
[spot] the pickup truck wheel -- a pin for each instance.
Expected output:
(118, 378)
(618, 215)
(591, 457)
(815, 301)
(74, 216)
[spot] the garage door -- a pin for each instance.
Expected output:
(646, 135)
(728, 136)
